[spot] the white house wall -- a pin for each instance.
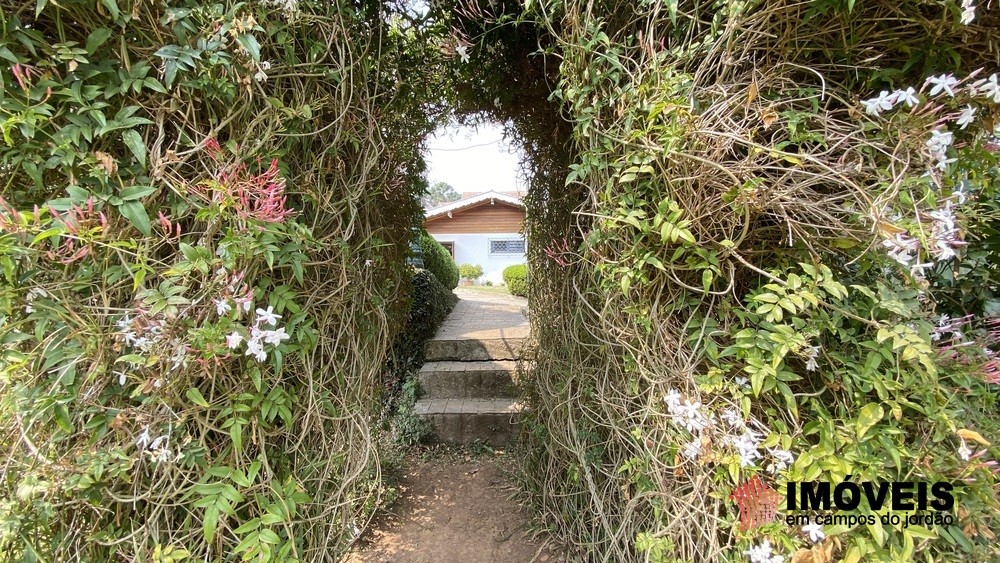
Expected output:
(475, 249)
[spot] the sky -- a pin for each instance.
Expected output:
(473, 160)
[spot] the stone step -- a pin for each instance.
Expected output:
(484, 379)
(464, 421)
(474, 349)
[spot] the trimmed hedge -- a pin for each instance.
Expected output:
(516, 278)
(430, 303)
(438, 260)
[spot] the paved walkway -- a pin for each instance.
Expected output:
(450, 510)
(482, 315)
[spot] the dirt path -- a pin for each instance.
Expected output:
(453, 508)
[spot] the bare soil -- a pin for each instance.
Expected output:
(453, 508)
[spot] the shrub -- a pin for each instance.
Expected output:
(191, 350)
(516, 278)
(430, 303)
(438, 260)
(470, 271)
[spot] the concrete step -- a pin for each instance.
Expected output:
(464, 421)
(474, 350)
(446, 380)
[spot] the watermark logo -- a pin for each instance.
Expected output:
(823, 503)
(757, 501)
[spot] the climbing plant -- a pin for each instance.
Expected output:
(767, 251)
(204, 217)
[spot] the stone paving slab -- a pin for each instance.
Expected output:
(439, 380)
(467, 405)
(485, 316)
(466, 420)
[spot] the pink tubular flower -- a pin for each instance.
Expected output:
(264, 198)
(259, 197)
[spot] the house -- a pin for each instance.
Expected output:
(484, 229)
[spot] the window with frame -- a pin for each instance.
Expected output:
(507, 246)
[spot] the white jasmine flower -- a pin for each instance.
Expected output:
(160, 455)
(463, 53)
(144, 438)
(155, 445)
(245, 303)
(782, 459)
(812, 352)
(968, 12)
(742, 381)
(222, 306)
(940, 140)
(265, 65)
(124, 323)
(179, 357)
(672, 399)
(732, 417)
(944, 162)
(918, 270)
(902, 248)
(909, 96)
(763, 554)
(945, 218)
(233, 340)
(689, 416)
(256, 349)
(964, 452)
(943, 83)
(692, 449)
(814, 531)
(966, 118)
(883, 102)
(988, 87)
(746, 445)
(275, 337)
(267, 316)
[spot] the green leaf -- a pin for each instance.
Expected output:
(196, 397)
(47, 233)
(133, 140)
(112, 7)
(97, 38)
(210, 523)
(706, 280)
(249, 42)
(869, 416)
(136, 214)
(135, 193)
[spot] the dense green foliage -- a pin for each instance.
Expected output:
(516, 279)
(470, 271)
(438, 260)
(203, 231)
(745, 261)
(430, 303)
(744, 271)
